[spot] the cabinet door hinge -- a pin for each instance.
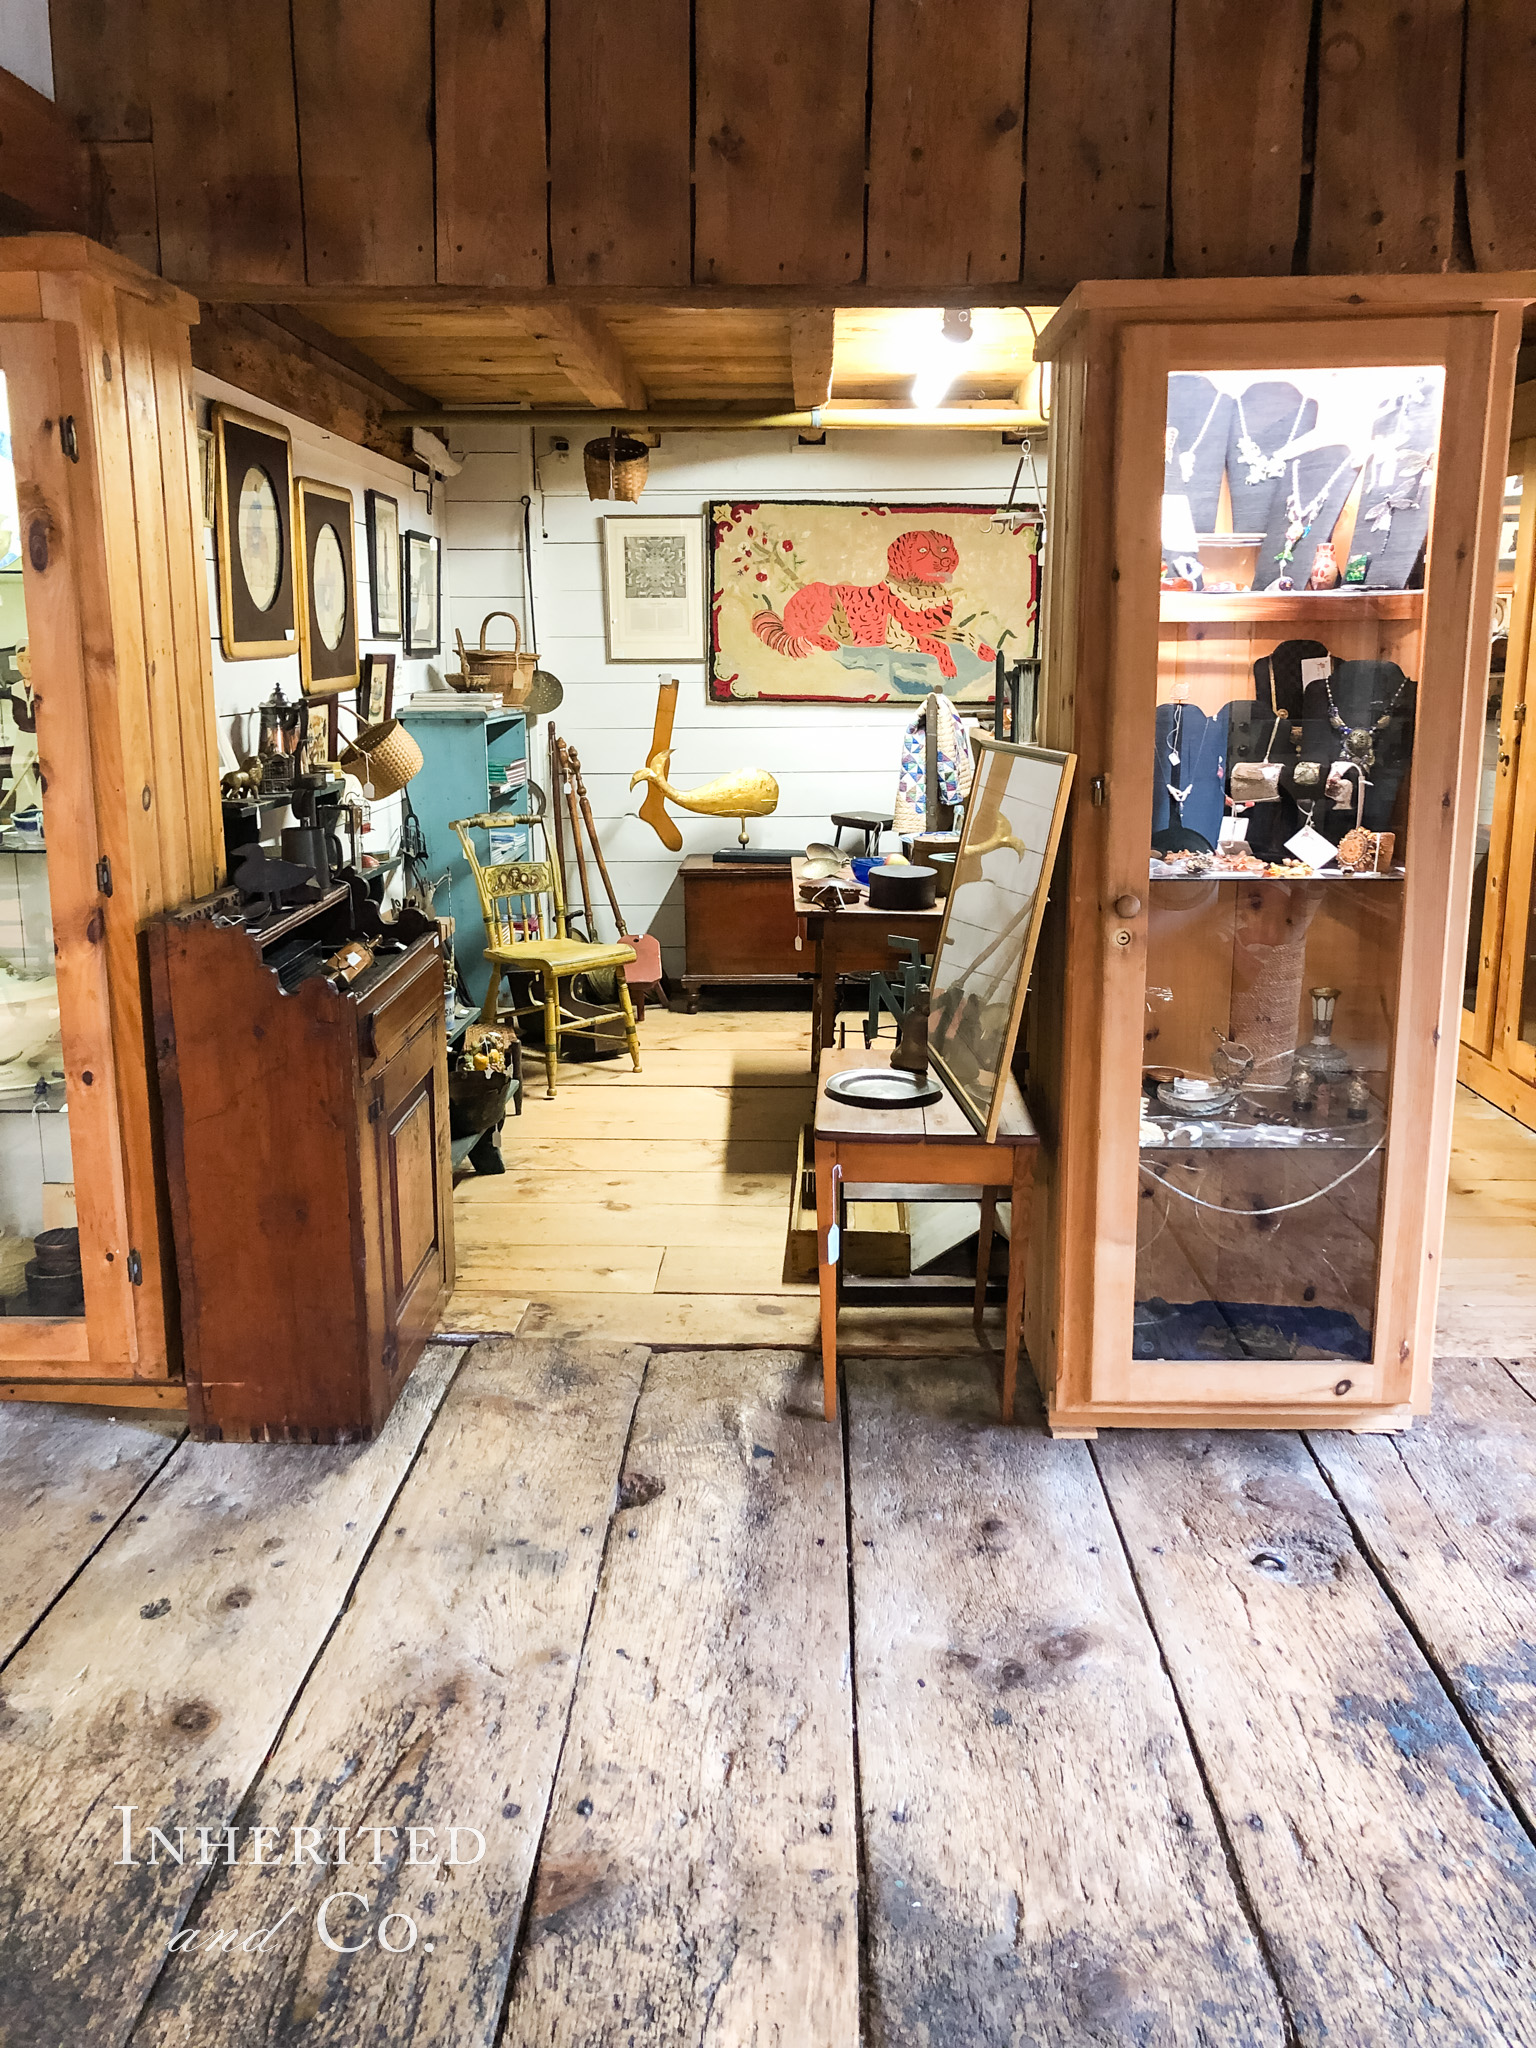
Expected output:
(104, 876)
(135, 1269)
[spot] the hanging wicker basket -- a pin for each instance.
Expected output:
(507, 670)
(383, 758)
(616, 467)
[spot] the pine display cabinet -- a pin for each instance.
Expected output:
(1274, 523)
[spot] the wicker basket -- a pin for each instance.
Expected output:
(507, 670)
(383, 758)
(616, 467)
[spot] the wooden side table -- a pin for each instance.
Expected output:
(852, 940)
(936, 1146)
(739, 924)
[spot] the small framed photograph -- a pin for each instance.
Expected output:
(654, 577)
(253, 525)
(376, 691)
(384, 564)
(423, 593)
(327, 589)
(322, 732)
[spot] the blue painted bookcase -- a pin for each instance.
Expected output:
(472, 761)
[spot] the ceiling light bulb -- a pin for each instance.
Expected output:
(943, 360)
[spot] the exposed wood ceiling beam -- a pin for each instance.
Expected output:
(588, 354)
(346, 353)
(810, 355)
(45, 179)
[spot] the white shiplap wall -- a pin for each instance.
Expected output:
(240, 686)
(842, 756)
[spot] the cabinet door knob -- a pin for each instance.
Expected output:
(1127, 906)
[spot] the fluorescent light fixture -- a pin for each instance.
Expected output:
(942, 360)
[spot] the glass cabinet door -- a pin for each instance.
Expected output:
(39, 1241)
(1295, 522)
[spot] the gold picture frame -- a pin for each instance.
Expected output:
(325, 556)
(1014, 818)
(253, 533)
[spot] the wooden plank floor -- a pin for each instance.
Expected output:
(611, 1696)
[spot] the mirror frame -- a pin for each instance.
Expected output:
(983, 744)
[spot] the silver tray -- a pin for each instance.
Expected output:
(883, 1088)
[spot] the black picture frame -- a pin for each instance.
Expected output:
(325, 510)
(376, 688)
(421, 555)
(384, 564)
(243, 444)
(328, 709)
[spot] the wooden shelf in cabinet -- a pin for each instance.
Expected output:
(1285, 608)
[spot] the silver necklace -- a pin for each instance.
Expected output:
(1187, 459)
(1264, 468)
(1300, 517)
(1360, 740)
(1175, 739)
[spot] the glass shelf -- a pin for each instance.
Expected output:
(1159, 873)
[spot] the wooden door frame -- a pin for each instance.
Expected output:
(1477, 349)
(1480, 1025)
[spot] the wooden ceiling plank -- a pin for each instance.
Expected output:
(226, 143)
(810, 355)
(43, 166)
(124, 211)
(101, 67)
(363, 78)
(338, 352)
(1501, 83)
(1239, 76)
(946, 147)
(1384, 185)
(619, 145)
(492, 213)
(779, 173)
(590, 357)
(1096, 142)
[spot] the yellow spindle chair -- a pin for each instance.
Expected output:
(526, 931)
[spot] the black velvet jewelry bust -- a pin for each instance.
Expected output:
(1198, 431)
(1375, 702)
(1313, 489)
(1398, 493)
(1255, 733)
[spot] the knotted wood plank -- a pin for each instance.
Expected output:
(698, 1877)
(1447, 1511)
(1501, 195)
(1384, 184)
(160, 1682)
(1395, 1888)
(946, 156)
(1042, 1863)
(65, 1477)
(440, 1702)
(1238, 80)
(779, 142)
(492, 196)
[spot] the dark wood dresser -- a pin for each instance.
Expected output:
(740, 926)
(307, 1150)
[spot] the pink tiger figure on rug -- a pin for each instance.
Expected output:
(833, 615)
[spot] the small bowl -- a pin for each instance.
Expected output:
(1230, 560)
(1195, 1097)
(863, 868)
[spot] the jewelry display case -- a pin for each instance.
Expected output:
(1274, 517)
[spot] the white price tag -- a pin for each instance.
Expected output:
(1233, 830)
(1317, 669)
(1310, 845)
(834, 1243)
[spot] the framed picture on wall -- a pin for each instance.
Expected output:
(384, 564)
(653, 577)
(253, 528)
(869, 603)
(376, 691)
(327, 588)
(322, 732)
(423, 594)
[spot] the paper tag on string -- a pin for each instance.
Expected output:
(1233, 831)
(1309, 845)
(1316, 669)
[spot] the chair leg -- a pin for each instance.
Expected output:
(551, 1030)
(492, 996)
(630, 1034)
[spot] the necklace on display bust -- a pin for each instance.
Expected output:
(1262, 468)
(1299, 517)
(1175, 739)
(1187, 459)
(1360, 740)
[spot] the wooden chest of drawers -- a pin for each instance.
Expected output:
(740, 926)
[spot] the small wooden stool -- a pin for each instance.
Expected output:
(936, 1146)
(870, 823)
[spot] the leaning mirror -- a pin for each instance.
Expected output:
(1013, 823)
